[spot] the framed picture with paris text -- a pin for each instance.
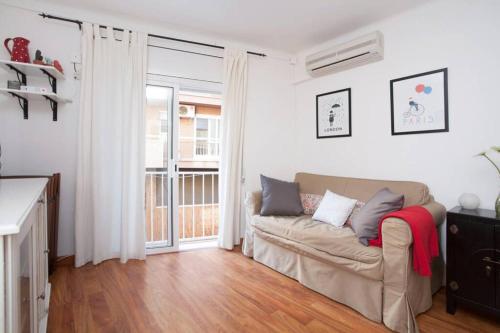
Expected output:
(419, 103)
(333, 114)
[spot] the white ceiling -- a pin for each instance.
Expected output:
(287, 25)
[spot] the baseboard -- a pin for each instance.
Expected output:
(70, 260)
(65, 261)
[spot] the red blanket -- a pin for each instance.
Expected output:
(425, 238)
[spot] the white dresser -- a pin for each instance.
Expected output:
(24, 299)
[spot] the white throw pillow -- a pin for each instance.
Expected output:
(334, 209)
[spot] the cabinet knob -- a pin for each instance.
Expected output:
(46, 251)
(454, 285)
(41, 201)
(42, 296)
(490, 261)
(487, 270)
(453, 229)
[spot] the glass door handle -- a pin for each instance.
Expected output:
(172, 168)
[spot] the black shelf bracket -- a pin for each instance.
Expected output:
(23, 103)
(21, 77)
(52, 80)
(53, 106)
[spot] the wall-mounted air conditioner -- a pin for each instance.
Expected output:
(362, 50)
(187, 111)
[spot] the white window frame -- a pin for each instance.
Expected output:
(194, 138)
(208, 139)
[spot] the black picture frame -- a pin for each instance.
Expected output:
(349, 110)
(445, 100)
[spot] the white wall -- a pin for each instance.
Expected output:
(269, 132)
(460, 35)
(280, 122)
(40, 146)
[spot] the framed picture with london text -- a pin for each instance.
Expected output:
(419, 103)
(333, 114)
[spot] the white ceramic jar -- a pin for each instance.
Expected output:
(469, 201)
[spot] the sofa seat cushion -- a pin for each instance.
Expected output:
(340, 246)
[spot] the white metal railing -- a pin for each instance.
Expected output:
(156, 206)
(198, 205)
(203, 197)
(207, 149)
(199, 148)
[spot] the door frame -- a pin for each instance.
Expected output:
(172, 242)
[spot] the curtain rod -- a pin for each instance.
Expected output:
(184, 78)
(52, 17)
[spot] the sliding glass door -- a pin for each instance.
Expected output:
(198, 161)
(182, 167)
(161, 169)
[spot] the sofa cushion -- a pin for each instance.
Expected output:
(340, 242)
(362, 189)
(310, 202)
(280, 197)
(365, 223)
(355, 212)
(334, 209)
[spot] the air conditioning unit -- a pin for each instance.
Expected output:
(187, 111)
(361, 51)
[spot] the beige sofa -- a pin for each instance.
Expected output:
(378, 282)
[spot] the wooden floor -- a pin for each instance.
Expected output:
(212, 291)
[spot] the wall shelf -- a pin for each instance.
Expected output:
(22, 70)
(35, 95)
(25, 96)
(32, 69)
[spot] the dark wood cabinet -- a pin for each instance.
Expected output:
(473, 260)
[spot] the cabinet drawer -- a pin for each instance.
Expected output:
(471, 247)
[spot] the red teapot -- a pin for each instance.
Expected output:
(19, 51)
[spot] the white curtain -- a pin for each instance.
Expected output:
(109, 218)
(233, 118)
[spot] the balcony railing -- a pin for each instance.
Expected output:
(198, 205)
(207, 149)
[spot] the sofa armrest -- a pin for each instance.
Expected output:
(406, 293)
(253, 202)
(397, 232)
(437, 210)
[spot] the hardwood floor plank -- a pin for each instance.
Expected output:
(290, 324)
(83, 321)
(100, 311)
(213, 291)
(320, 327)
(468, 321)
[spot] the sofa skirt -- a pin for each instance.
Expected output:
(361, 294)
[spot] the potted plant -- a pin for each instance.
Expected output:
(485, 155)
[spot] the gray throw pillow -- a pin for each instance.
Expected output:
(280, 198)
(365, 223)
